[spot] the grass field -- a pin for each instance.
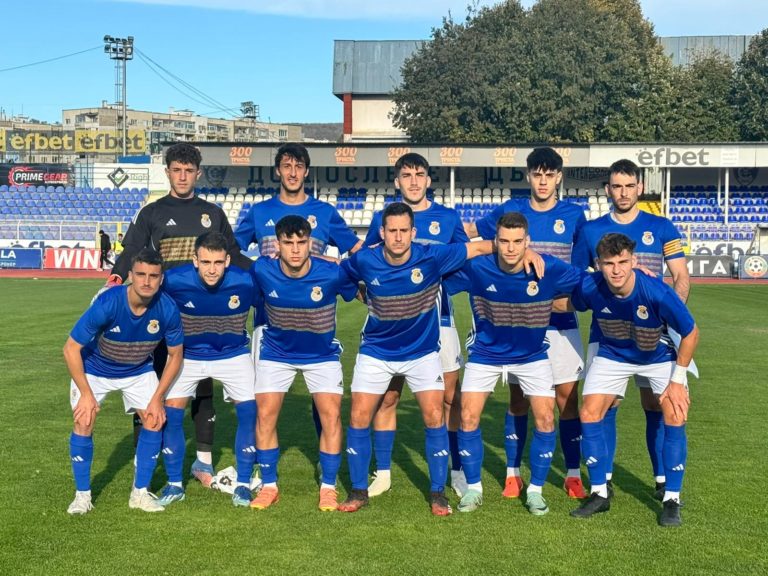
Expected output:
(725, 515)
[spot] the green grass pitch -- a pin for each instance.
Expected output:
(725, 514)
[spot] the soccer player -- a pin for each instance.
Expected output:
(632, 312)
(171, 225)
(552, 226)
(215, 300)
(511, 315)
(658, 242)
(435, 224)
(328, 227)
(401, 337)
(299, 293)
(110, 348)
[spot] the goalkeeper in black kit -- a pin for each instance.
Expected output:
(170, 225)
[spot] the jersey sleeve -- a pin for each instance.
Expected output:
(93, 321)
(674, 312)
(566, 277)
(459, 235)
(174, 334)
(246, 231)
(373, 236)
(486, 226)
(672, 246)
(339, 234)
(138, 236)
(580, 253)
(450, 257)
(345, 287)
(237, 258)
(580, 296)
(459, 281)
(349, 269)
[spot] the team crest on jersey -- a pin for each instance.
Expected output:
(647, 237)
(533, 288)
(312, 221)
(317, 294)
(559, 227)
(153, 327)
(642, 312)
(205, 220)
(416, 276)
(234, 302)
(434, 228)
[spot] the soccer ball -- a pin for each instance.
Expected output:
(755, 266)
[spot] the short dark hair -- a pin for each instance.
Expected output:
(626, 167)
(147, 256)
(183, 153)
(396, 209)
(613, 244)
(411, 160)
(546, 158)
(512, 220)
(296, 151)
(293, 225)
(213, 241)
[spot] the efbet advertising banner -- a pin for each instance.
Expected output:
(72, 141)
(36, 174)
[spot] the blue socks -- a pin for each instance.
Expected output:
(329, 464)
(81, 455)
(268, 464)
(174, 443)
(453, 445)
(436, 446)
(245, 440)
(358, 456)
(147, 451)
(593, 447)
(515, 435)
(654, 440)
(570, 442)
(675, 454)
(471, 450)
(609, 429)
(383, 442)
(541, 452)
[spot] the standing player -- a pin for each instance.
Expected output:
(401, 337)
(511, 314)
(552, 227)
(435, 224)
(658, 242)
(632, 312)
(299, 293)
(214, 300)
(170, 225)
(110, 348)
(328, 227)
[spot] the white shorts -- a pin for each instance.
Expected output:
(256, 343)
(610, 377)
(320, 377)
(450, 349)
(373, 375)
(534, 378)
(236, 374)
(592, 347)
(566, 354)
(137, 390)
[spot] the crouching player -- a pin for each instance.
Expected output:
(632, 311)
(214, 300)
(511, 311)
(110, 348)
(299, 293)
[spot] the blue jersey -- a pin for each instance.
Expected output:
(301, 312)
(117, 343)
(435, 225)
(511, 312)
(403, 313)
(657, 240)
(631, 328)
(214, 318)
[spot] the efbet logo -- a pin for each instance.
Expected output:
(667, 156)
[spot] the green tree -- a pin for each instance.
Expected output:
(750, 90)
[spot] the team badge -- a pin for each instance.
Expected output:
(153, 327)
(434, 228)
(312, 221)
(416, 276)
(559, 226)
(642, 312)
(205, 220)
(317, 294)
(533, 288)
(648, 238)
(234, 302)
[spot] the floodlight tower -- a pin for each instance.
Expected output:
(120, 50)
